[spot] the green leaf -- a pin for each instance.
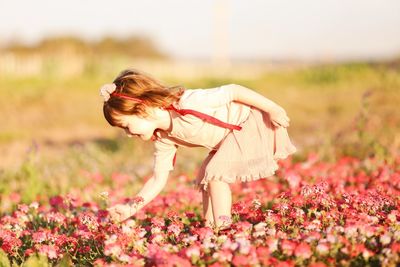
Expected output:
(4, 261)
(36, 260)
(66, 261)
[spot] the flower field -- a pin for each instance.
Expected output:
(310, 213)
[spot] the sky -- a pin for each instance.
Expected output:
(253, 29)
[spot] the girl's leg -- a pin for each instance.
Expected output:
(207, 209)
(221, 200)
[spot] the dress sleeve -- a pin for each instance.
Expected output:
(164, 155)
(215, 97)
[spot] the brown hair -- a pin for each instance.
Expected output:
(141, 85)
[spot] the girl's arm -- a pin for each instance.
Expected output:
(252, 98)
(249, 97)
(152, 188)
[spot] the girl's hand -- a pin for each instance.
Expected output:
(279, 117)
(121, 212)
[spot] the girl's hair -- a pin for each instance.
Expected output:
(138, 84)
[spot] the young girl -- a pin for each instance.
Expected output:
(245, 132)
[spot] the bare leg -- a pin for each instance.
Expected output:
(221, 200)
(207, 209)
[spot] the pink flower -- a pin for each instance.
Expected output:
(9, 241)
(303, 250)
(158, 222)
(157, 255)
(244, 226)
(112, 249)
(306, 190)
(288, 246)
(357, 249)
(192, 251)
(175, 260)
(121, 179)
(263, 255)
(272, 244)
(293, 179)
(40, 236)
(240, 260)
(28, 252)
(174, 228)
(158, 238)
(322, 248)
(48, 250)
(83, 234)
(88, 220)
(203, 232)
(56, 217)
(23, 208)
(15, 197)
(223, 255)
(97, 177)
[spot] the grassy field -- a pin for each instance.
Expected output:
(53, 133)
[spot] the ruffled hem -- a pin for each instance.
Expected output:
(291, 149)
(227, 177)
(243, 178)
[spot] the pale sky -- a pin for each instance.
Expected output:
(303, 29)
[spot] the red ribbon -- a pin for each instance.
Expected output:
(206, 117)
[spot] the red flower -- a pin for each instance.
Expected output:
(395, 247)
(57, 202)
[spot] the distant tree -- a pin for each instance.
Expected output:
(131, 46)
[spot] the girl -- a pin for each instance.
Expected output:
(245, 132)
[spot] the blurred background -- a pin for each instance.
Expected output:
(333, 65)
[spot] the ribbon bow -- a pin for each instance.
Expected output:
(106, 90)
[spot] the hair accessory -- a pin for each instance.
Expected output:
(106, 90)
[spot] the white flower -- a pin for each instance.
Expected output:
(207, 243)
(127, 229)
(112, 250)
(259, 229)
(193, 251)
(104, 195)
(34, 205)
(322, 247)
(124, 258)
(221, 239)
(244, 245)
(385, 239)
(110, 239)
(155, 230)
(256, 203)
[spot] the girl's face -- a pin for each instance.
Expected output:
(136, 126)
